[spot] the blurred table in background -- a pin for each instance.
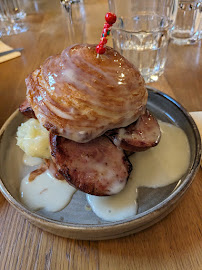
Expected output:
(173, 243)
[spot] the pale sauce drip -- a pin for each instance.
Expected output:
(115, 207)
(46, 192)
(31, 161)
(164, 164)
(156, 167)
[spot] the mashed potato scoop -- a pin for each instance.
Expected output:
(33, 139)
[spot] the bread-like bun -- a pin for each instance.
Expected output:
(80, 96)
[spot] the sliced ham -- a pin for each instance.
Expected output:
(97, 167)
(26, 109)
(139, 136)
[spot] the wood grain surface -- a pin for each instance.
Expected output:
(173, 243)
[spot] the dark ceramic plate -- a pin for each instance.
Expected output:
(76, 222)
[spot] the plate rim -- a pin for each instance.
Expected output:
(156, 210)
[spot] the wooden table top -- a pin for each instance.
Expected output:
(173, 243)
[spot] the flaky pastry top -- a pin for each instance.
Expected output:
(80, 96)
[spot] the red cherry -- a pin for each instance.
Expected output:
(100, 49)
(110, 18)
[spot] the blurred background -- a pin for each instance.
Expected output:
(46, 27)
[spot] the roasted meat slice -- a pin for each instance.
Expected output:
(139, 136)
(97, 167)
(26, 109)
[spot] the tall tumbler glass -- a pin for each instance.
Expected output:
(76, 20)
(142, 31)
(82, 24)
(188, 22)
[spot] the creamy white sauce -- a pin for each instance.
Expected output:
(115, 207)
(31, 161)
(164, 164)
(46, 192)
(157, 167)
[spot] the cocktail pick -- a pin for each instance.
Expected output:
(110, 19)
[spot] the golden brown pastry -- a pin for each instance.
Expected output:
(80, 96)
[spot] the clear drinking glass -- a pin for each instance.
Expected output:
(76, 19)
(83, 25)
(142, 32)
(187, 24)
(11, 16)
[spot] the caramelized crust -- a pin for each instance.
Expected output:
(80, 96)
